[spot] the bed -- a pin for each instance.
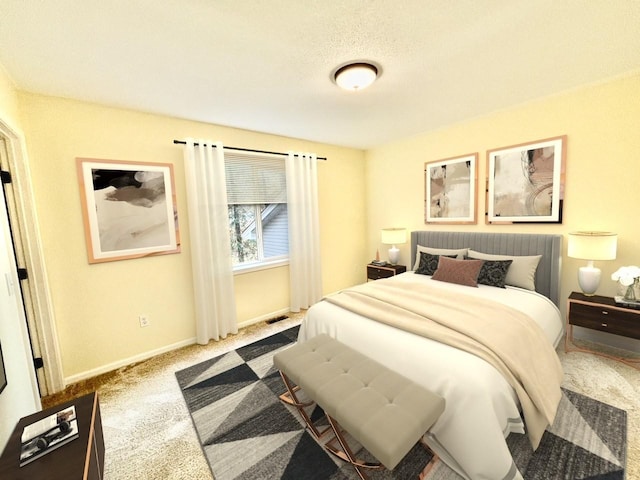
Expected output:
(483, 406)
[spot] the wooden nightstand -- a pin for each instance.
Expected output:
(81, 458)
(602, 314)
(376, 272)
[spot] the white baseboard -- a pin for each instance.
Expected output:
(147, 355)
(126, 362)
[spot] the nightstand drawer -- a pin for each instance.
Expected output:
(610, 320)
(375, 272)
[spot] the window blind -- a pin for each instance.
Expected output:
(254, 179)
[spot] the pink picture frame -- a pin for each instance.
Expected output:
(451, 188)
(129, 209)
(525, 182)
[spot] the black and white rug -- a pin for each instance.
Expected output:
(247, 433)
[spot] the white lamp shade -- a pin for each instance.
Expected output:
(394, 236)
(356, 76)
(593, 245)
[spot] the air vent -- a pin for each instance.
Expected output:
(276, 319)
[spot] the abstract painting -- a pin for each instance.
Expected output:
(129, 209)
(450, 190)
(526, 182)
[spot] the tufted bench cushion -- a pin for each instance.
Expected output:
(384, 411)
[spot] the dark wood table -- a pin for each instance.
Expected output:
(376, 272)
(605, 315)
(80, 459)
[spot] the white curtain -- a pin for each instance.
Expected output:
(304, 230)
(210, 243)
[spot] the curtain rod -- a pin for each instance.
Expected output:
(182, 142)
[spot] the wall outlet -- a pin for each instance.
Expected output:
(144, 320)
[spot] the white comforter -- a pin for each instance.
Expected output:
(481, 407)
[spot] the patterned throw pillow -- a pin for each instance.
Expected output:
(462, 272)
(493, 272)
(429, 263)
(522, 272)
(449, 252)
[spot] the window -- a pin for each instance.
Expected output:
(257, 198)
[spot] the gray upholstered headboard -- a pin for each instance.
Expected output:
(549, 246)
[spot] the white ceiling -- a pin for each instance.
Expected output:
(266, 65)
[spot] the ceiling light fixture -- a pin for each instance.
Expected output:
(355, 76)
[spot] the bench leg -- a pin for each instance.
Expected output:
(432, 462)
(345, 453)
(290, 398)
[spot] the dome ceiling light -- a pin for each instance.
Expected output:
(356, 76)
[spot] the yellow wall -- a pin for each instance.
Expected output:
(97, 306)
(602, 189)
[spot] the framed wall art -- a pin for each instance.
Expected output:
(450, 190)
(129, 209)
(525, 183)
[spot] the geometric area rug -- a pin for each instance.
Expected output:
(247, 433)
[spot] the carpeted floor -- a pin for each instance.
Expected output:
(248, 434)
(149, 434)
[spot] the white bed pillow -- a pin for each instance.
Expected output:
(522, 271)
(459, 252)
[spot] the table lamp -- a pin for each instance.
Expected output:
(393, 236)
(591, 246)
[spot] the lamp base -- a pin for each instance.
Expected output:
(589, 279)
(394, 255)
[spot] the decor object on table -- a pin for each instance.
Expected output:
(47, 434)
(393, 237)
(233, 401)
(450, 190)
(129, 209)
(629, 278)
(525, 183)
(591, 246)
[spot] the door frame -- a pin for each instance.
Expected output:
(43, 314)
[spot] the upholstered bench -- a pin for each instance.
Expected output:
(383, 411)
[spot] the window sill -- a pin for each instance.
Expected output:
(254, 267)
